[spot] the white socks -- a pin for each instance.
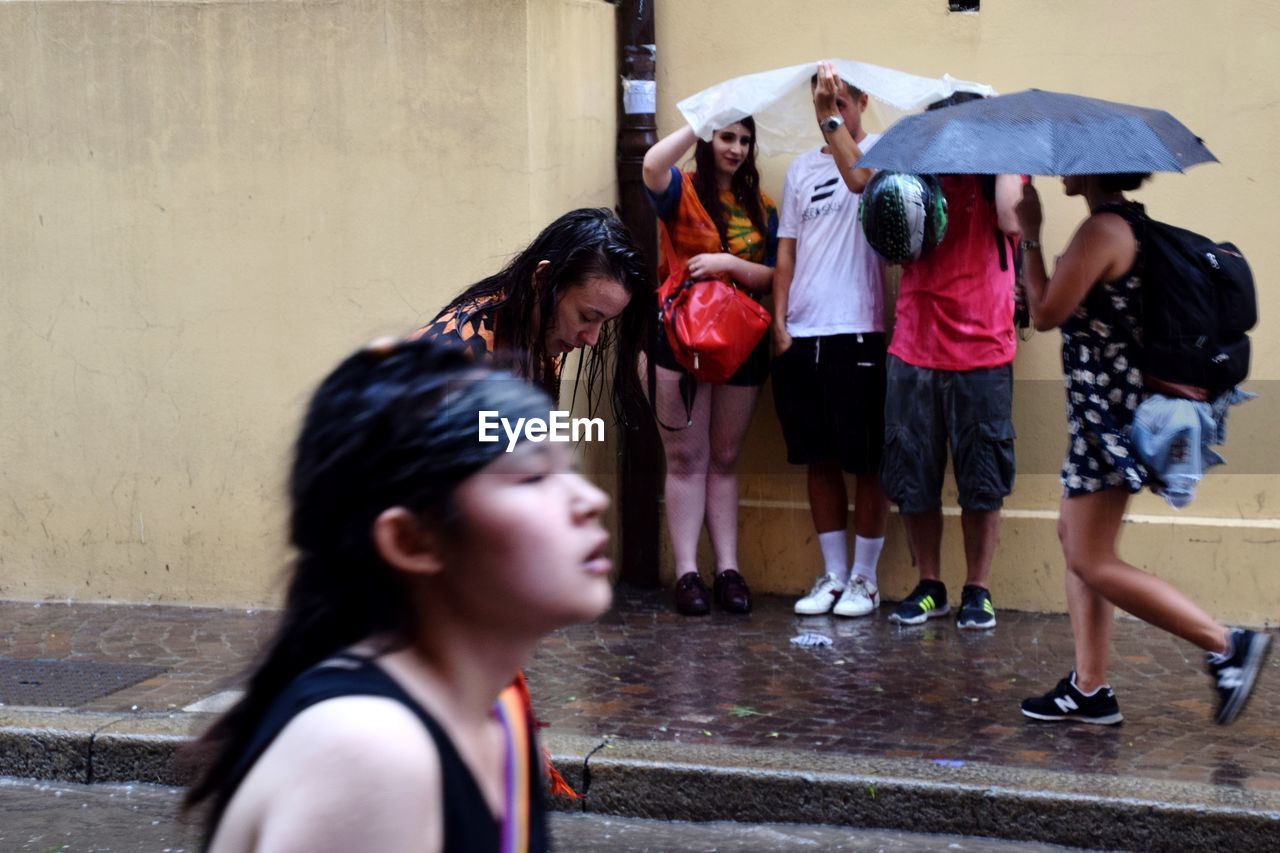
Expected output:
(835, 554)
(866, 554)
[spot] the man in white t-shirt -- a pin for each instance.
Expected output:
(829, 365)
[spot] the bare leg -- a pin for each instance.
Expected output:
(731, 408)
(981, 529)
(924, 530)
(870, 506)
(1091, 622)
(1090, 530)
(828, 497)
(688, 456)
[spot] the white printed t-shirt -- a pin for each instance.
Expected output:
(838, 286)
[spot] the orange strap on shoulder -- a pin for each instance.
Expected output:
(555, 781)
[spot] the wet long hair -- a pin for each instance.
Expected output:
(1122, 182)
(580, 244)
(392, 425)
(745, 185)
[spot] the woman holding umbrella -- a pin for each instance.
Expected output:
(714, 221)
(1094, 297)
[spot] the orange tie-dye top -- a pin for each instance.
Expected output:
(686, 229)
(474, 327)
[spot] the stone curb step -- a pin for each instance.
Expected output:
(674, 781)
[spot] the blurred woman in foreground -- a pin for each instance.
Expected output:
(374, 719)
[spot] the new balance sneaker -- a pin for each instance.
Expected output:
(1233, 676)
(977, 613)
(826, 591)
(927, 601)
(1065, 703)
(860, 598)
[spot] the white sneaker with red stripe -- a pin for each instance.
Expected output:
(860, 598)
(822, 597)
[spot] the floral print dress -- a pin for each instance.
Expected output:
(1104, 387)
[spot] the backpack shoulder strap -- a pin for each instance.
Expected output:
(1136, 215)
(1130, 211)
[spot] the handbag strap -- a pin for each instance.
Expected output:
(688, 392)
(688, 387)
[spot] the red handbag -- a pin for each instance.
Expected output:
(712, 326)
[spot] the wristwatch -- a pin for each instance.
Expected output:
(832, 123)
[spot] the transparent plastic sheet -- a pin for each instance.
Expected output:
(781, 103)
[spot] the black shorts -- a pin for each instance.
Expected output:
(829, 392)
(972, 410)
(752, 373)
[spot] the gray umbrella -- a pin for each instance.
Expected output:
(1038, 133)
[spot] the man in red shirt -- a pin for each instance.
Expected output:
(950, 381)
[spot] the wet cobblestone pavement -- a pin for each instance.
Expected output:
(203, 649)
(878, 691)
(43, 817)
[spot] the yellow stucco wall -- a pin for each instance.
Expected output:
(206, 204)
(1217, 69)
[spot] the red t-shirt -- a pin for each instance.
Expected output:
(955, 305)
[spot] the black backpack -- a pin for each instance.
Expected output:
(1198, 303)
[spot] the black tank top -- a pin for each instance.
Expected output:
(469, 825)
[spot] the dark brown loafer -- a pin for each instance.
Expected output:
(691, 596)
(732, 595)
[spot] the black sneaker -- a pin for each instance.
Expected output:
(927, 601)
(1065, 703)
(1234, 676)
(977, 613)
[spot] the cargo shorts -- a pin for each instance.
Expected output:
(925, 411)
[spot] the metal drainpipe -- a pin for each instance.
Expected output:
(641, 455)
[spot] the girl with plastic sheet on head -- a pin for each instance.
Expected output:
(1095, 297)
(581, 283)
(713, 221)
(378, 717)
